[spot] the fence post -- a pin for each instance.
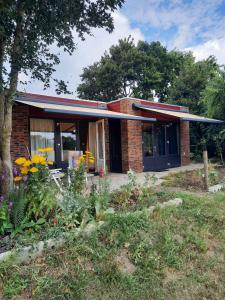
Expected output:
(206, 169)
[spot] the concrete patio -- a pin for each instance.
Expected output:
(119, 179)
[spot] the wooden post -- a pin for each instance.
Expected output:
(206, 169)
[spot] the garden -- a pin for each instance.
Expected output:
(193, 180)
(121, 244)
(37, 209)
(174, 253)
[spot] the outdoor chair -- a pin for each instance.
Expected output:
(57, 176)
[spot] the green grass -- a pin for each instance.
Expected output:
(178, 254)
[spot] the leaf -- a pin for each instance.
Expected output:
(41, 221)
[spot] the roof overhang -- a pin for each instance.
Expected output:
(182, 115)
(83, 111)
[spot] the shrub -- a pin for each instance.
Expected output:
(100, 197)
(5, 209)
(19, 206)
(77, 179)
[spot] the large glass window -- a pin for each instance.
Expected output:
(42, 136)
(148, 140)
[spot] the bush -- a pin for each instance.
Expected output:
(5, 208)
(76, 178)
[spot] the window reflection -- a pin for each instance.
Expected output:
(148, 140)
(42, 136)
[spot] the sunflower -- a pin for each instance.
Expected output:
(17, 178)
(24, 170)
(34, 170)
(20, 160)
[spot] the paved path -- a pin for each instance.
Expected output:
(118, 179)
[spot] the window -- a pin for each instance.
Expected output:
(42, 136)
(160, 137)
(148, 140)
(68, 134)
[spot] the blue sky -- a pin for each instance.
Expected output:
(177, 23)
(195, 25)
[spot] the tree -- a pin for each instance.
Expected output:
(214, 99)
(186, 89)
(129, 70)
(214, 96)
(188, 86)
(28, 29)
(115, 75)
(161, 68)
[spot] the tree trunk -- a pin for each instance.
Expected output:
(5, 155)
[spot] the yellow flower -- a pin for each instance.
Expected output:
(17, 178)
(44, 163)
(27, 163)
(50, 163)
(34, 170)
(20, 160)
(38, 159)
(43, 150)
(91, 161)
(87, 152)
(24, 170)
(48, 149)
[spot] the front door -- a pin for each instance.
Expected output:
(160, 146)
(115, 146)
(100, 146)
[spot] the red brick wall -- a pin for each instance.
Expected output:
(131, 139)
(20, 141)
(184, 143)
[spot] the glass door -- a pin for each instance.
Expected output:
(160, 146)
(67, 144)
(100, 146)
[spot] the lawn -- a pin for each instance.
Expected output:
(176, 253)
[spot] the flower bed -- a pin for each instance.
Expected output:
(37, 210)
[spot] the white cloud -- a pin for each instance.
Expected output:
(88, 52)
(214, 47)
(190, 20)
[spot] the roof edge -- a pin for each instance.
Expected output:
(56, 97)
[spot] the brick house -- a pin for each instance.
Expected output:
(123, 134)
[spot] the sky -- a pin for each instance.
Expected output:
(197, 25)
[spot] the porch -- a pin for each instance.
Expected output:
(117, 180)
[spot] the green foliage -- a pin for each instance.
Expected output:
(194, 180)
(214, 96)
(28, 29)
(29, 33)
(76, 178)
(41, 201)
(74, 208)
(100, 197)
(5, 222)
(130, 70)
(178, 253)
(19, 199)
(188, 86)
(187, 89)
